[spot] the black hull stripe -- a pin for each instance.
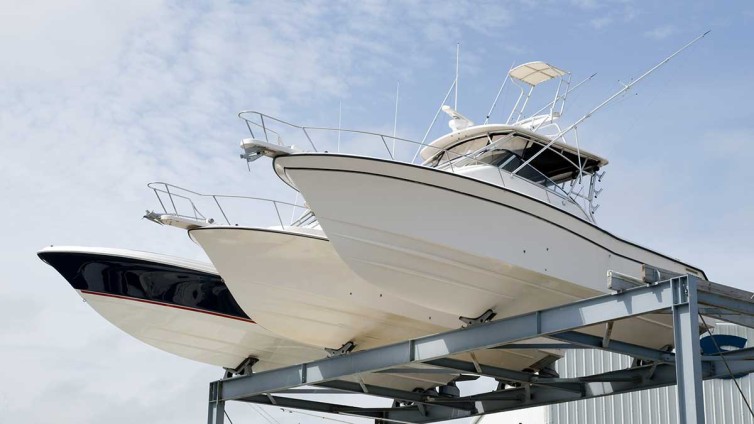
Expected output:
(145, 280)
(494, 202)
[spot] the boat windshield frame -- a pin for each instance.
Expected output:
(545, 183)
(475, 156)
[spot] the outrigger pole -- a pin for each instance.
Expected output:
(625, 88)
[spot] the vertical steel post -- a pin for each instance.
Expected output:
(688, 362)
(216, 413)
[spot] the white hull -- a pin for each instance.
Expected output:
(296, 286)
(202, 337)
(199, 335)
(224, 342)
(456, 244)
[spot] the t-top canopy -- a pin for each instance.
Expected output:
(534, 73)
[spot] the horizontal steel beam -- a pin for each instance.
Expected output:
(557, 323)
(631, 302)
(514, 346)
(507, 375)
(729, 316)
(735, 305)
(409, 370)
(615, 346)
(615, 382)
(392, 394)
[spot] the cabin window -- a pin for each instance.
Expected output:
(551, 167)
(460, 149)
(510, 161)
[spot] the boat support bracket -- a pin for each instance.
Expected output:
(343, 350)
(487, 316)
(244, 368)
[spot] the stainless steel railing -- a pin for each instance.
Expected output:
(275, 130)
(184, 203)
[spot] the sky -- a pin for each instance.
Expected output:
(99, 98)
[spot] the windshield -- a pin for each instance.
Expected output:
(554, 163)
(510, 161)
(461, 149)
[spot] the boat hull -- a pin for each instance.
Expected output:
(128, 288)
(137, 292)
(296, 285)
(452, 243)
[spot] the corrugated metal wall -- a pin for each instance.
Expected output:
(723, 403)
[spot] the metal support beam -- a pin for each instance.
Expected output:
(688, 361)
(679, 295)
(393, 394)
(216, 413)
(636, 301)
(623, 348)
(605, 384)
(508, 375)
(516, 346)
(727, 315)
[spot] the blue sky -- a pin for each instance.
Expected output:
(99, 98)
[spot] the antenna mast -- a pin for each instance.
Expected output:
(340, 116)
(458, 55)
(494, 102)
(395, 121)
(418, 149)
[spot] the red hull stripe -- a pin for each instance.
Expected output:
(186, 308)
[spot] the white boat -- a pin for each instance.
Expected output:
(183, 307)
(494, 219)
(176, 305)
(291, 281)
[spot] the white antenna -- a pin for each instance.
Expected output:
(395, 122)
(445, 99)
(625, 88)
(494, 102)
(340, 117)
(458, 55)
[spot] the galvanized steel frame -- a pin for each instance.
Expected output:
(686, 367)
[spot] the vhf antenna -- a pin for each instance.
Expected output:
(395, 121)
(458, 56)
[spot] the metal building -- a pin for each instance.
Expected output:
(723, 402)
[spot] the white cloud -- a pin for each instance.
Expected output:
(586, 4)
(661, 32)
(601, 22)
(59, 40)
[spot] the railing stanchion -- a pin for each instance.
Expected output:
(221, 209)
(386, 147)
(248, 125)
(170, 196)
(264, 128)
(159, 199)
(306, 133)
(274, 203)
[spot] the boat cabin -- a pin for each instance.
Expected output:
(508, 147)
